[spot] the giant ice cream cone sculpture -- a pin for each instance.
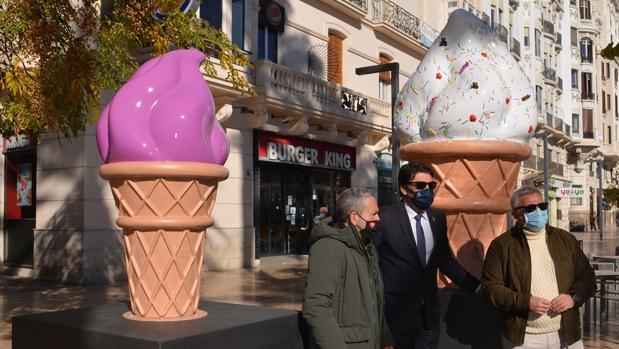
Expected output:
(468, 112)
(163, 150)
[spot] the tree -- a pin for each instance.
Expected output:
(610, 52)
(611, 195)
(56, 56)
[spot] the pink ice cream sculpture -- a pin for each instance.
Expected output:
(165, 112)
(164, 149)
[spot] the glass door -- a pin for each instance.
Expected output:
(19, 208)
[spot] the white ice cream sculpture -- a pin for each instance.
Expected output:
(468, 112)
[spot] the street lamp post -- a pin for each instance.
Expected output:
(394, 68)
(600, 164)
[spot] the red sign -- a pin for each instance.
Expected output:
(299, 151)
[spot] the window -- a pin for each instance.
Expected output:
(587, 123)
(587, 86)
(267, 43)
(616, 107)
(585, 9)
(538, 44)
(335, 70)
(493, 16)
(603, 102)
(574, 36)
(607, 70)
(384, 80)
(586, 50)
(526, 37)
(610, 135)
(603, 75)
(574, 78)
(575, 123)
(538, 98)
(210, 11)
(608, 105)
(238, 23)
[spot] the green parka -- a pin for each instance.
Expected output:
(343, 305)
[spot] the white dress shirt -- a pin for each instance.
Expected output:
(427, 230)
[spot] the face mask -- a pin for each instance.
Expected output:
(368, 232)
(423, 199)
(536, 220)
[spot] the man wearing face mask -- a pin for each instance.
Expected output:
(343, 304)
(538, 276)
(412, 244)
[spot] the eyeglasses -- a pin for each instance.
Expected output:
(530, 208)
(423, 185)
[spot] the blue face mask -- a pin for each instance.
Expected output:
(536, 220)
(423, 199)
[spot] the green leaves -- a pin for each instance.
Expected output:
(610, 52)
(56, 56)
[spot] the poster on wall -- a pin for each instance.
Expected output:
(24, 184)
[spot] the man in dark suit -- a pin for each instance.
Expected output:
(412, 243)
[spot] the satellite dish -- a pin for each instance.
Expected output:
(317, 61)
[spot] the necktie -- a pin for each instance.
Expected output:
(421, 240)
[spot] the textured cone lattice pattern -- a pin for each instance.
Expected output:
(474, 180)
(164, 266)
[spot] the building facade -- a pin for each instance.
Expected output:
(315, 127)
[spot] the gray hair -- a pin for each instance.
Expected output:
(522, 191)
(351, 199)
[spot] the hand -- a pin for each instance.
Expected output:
(562, 303)
(539, 305)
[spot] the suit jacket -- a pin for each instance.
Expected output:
(410, 288)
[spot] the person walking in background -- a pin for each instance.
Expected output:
(343, 304)
(538, 276)
(412, 244)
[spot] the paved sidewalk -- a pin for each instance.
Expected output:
(278, 282)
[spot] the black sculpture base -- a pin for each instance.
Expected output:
(228, 326)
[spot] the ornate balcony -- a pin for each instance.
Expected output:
(292, 90)
(397, 23)
(587, 96)
(515, 48)
(353, 8)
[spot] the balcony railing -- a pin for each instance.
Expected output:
(515, 47)
(359, 4)
(354, 8)
(586, 59)
(555, 168)
(590, 96)
(296, 88)
(548, 27)
(396, 17)
(550, 74)
(501, 32)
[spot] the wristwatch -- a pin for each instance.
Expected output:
(577, 298)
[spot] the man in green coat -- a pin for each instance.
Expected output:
(343, 304)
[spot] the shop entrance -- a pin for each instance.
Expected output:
(19, 208)
(290, 202)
